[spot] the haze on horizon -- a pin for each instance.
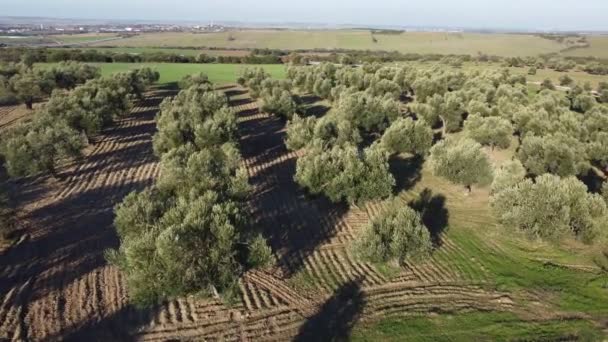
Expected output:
(505, 14)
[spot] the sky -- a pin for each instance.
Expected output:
(505, 14)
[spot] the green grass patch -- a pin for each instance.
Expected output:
(515, 270)
(173, 72)
(482, 326)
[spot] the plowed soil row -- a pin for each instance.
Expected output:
(56, 283)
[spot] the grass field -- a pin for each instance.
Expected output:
(412, 42)
(598, 48)
(475, 327)
(173, 72)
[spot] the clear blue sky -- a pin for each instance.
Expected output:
(526, 14)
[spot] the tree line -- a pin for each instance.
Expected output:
(190, 233)
(380, 111)
(24, 83)
(43, 55)
(61, 128)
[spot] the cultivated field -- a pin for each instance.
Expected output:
(411, 42)
(57, 286)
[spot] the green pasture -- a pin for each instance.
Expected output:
(173, 72)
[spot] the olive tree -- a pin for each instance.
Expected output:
(200, 79)
(491, 131)
(279, 102)
(300, 132)
(508, 175)
(558, 154)
(30, 86)
(396, 233)
(551, 207)
(343, 173)
(408, 136)
(39, 147)
(461, 161)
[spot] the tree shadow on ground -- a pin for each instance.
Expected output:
(434, 214)
(593, 181)
(118, 326)
(315, 110)
(308, 99)
(293, 223)
(337, 317)
(407, 172)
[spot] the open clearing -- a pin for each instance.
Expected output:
(410, 42)
(57, 286)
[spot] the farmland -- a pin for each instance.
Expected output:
(438, 199)
(409, 42)
(480, 281)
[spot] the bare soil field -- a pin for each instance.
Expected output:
(11, 115)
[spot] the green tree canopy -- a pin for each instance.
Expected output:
(551, 207)
(461, 161)
(558, 154)
(408, 136)
(343, 173)
(491, 131)
(396, 233)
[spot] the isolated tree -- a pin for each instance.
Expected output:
(508, 175)
(461, 161)
(408, 136)
(558, 154)
(300, 132)
(396, 233)
(551, 207)
(492, 131)
(532, 71)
